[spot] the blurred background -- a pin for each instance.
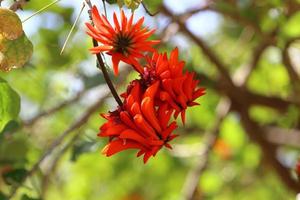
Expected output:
(241, 143)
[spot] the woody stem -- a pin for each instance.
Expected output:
(106, 76)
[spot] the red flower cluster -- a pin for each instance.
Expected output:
(144, 121)
(139, 124)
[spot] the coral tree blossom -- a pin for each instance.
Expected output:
(178, 89)
(146, 120)
(138, 124)
(125, 41)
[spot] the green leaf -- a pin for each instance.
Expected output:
(26, 197)
(14, 176)
(14, 149)
(11, 126)
(14, 53)
(210, 182)
(2, 196)
(9, 104)
(291, 27)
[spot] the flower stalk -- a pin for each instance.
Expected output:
(106, 76)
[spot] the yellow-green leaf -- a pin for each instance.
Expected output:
(10, 24)
(10, 104)
(14, 53)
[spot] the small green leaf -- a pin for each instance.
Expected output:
(111, 1)
(131, 4)
(9, 104)
(128, 2)
(14, 176)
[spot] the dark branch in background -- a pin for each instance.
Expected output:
(211, 56)
(52, 168)
(241, 100)
(294, 77)
(256, 133)
(77, 124)
(191, 182)
(223, 108)
(53, 110)
(280, 136)
(101, 63)
(18, 5)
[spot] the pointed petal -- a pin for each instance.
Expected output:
(116, 60)
(116, 146)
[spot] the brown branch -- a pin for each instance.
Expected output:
(242, 99)
(222, 68)
(53, 110)
(294, 76)
(247, 97)
(18, 5)
(243, 74)
(280, 136)
(256, 133)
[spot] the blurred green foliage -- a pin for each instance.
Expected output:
(82, 173)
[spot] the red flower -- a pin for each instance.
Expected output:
(177, 89)
(139, 124)
(126, 41)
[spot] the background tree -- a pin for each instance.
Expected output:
(241, 143)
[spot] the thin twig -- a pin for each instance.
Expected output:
(191, 182)
(53, 110)
(40, 10)
(72, 29)
(104, 7)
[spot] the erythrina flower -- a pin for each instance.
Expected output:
(126, 41)
(177, 88)
(138, 124)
